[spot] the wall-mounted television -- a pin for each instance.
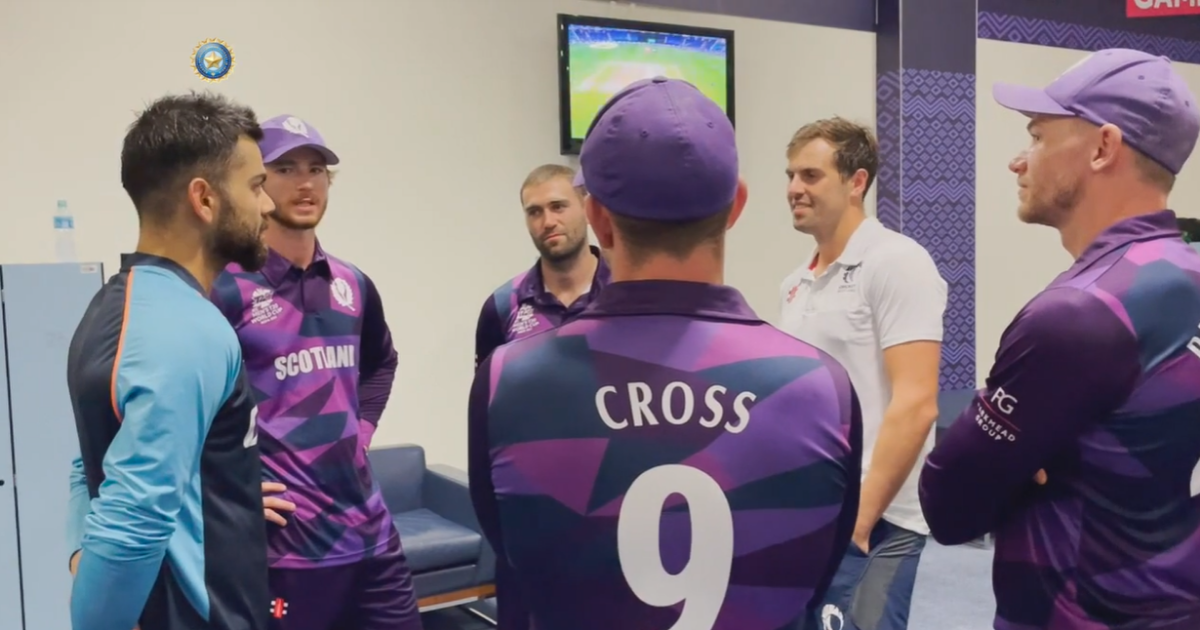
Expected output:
(597, 57)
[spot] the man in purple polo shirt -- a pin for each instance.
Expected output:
(320, 356)
(1079, 452)
(567, 275)
(666, 459)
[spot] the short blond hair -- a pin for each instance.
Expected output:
(545, 173)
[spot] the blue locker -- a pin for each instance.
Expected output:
(10, 568)
(42, 305)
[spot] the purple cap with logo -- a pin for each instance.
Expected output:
(284, 133)
(661, 150)
(1139, 93)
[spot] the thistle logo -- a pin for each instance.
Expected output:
(831, 618)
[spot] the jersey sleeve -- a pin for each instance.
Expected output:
(907, 296)
(1065, 361)
(479, 459)
(851, 461)
(379, 361)
(489, 331)
(513, 611)
(78, 504)
(166, 390)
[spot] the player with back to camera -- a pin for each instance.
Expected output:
(319, 354)
(166, 511)
(1079, 451)
(567, 276)
(668, 388)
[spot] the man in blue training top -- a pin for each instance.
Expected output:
(1079, 451)
(665, 459)
(567, 276)
(166, 509)
(319, 354)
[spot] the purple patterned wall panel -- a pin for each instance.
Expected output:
(938, 199)
(887, 129)
(1105, 14)
(1025, 30)
(925, 121)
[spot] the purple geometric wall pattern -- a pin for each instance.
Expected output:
(887, 131)
(1023, 30)
(937, 197)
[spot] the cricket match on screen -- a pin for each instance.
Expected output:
(605, 60)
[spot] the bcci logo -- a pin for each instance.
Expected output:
(212, 60)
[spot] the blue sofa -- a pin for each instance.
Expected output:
(452, 563)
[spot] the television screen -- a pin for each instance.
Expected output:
(598, 57)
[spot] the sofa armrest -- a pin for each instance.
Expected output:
(445, 492)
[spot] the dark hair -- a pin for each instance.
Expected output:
(854, 145)
(675, 239)
(176, 139)
(1190, 228)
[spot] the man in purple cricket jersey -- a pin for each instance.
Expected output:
(567, 275)
(666, 459)
(1079, 452)
(320, 356)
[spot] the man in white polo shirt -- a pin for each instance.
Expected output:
(873, 299)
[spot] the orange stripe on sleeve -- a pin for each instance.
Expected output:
(121, 344)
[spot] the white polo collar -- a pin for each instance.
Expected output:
(864, 236)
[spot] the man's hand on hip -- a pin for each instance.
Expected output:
(273, 505)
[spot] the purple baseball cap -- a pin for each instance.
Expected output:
(1139, 93)
(284, 133)
(578, 181)
(661, 150)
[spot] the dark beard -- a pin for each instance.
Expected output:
(231, 242)
(565, 256)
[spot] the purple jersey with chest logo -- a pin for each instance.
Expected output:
(665, 459)
(522, 307)
(321, 363)
(1096, 382)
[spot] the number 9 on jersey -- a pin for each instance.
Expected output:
(704, 580)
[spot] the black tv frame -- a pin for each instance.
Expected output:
(571, 146)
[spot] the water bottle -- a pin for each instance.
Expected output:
(64, 233)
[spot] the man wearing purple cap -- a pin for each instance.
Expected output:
(319, 354)
(667, 459)
(1079, 451)
(567, 275)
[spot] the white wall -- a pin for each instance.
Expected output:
(438, 109)
(1005, 279)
